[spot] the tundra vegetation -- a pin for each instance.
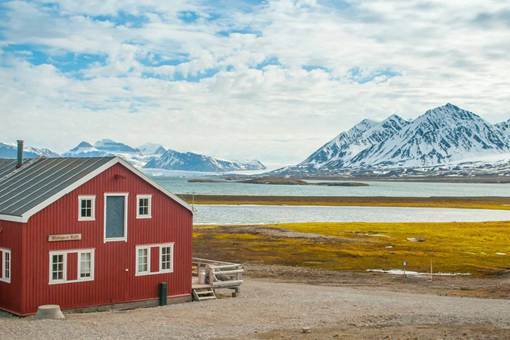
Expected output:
(476, 248)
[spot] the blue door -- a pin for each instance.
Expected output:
(115, 227)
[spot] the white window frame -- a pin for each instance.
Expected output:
(149, 250)
(92, 265)
(92, 198)
(149, 199)
(64, 267)
(171, 269)
(64, 253)
(126, 209)
(4, 278)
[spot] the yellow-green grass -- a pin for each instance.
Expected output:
(494, 203)
(474, 248)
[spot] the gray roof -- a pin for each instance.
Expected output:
(39, 179)
(7, 166)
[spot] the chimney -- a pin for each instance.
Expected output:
(20, 154)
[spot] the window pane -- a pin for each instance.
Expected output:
(115, 215)
(57, 267)
(85, 265)
(143, 265)
(143, 206)
(166, 258)
(7, 267)
(86, 208)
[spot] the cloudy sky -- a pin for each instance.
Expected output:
(270, 80)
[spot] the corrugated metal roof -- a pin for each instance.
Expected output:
(7, 166)
(39, 180)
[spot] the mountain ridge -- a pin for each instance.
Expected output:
(444, 135)
(138, 156)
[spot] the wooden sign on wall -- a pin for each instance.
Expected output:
(64, 237)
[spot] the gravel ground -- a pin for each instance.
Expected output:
(268, 309)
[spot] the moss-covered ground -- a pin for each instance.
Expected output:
(476, 248)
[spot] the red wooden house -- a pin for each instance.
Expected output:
(81, 232)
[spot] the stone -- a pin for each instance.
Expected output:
(52, 312)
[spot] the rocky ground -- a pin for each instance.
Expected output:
(267, 309)
(495, 286)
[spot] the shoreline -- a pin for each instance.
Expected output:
(461, 202)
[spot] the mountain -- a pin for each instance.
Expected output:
(441, 136)
(152, 149)
(353, 145)
(155, 156)
(85, 149)
(504, 127)
(10, 151)
(108, 145)
(189, 161)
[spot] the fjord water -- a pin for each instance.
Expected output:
(180, 185)
(269, 214)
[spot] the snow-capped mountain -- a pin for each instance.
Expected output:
(189, 161)
(155, 156)
(444, 135)
(108, 147)
(351, 146)
(112, 146)
(85, 149)
(10, 151)
(152, 149)
(504, 127)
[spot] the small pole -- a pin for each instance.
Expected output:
(405, 265)
(431, 275)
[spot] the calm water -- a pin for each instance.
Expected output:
(180, 185)
(261, 214)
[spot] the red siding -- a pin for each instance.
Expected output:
(72, 266)
(115, 279)
(10, 238)
(154, 259)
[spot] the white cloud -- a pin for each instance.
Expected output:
(278, 113)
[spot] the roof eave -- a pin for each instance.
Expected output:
(12, 218)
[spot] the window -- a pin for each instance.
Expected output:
(115, 217)
(85, 265)
(58, 266)
(6, 265)
(165, 258)
(86, 208)
(143, 260)
(58, 272)
(143, 206)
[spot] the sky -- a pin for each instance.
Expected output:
(244, 79)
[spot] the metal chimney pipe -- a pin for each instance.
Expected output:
(20, 153)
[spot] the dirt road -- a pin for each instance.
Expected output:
(282, 310)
